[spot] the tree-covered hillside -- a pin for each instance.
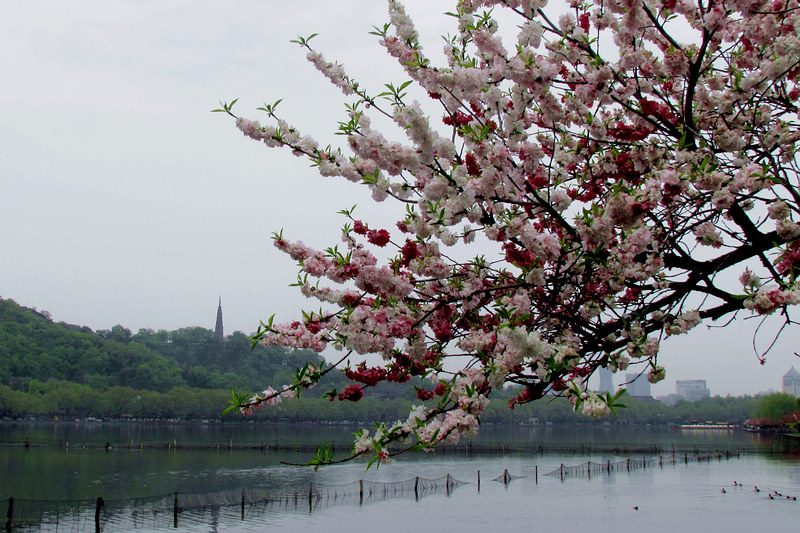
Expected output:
(57, 369)
(34, 348)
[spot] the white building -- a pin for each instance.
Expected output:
(606, 380)
(791, 382)
(692, 389)
(638, 386)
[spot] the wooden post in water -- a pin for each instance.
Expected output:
(175, 512)
(562, 471)
(242, 503)
(310, 494)
(589, 469)
(629, 464)
(97, 528)
(10, 514)
(447, 484)
(360, 491)
(536, 474)
(608, 467)
(416, 488)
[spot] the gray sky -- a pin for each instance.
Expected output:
(125, 201)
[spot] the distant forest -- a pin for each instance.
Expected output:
(50, 369)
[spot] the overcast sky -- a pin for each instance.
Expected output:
(126, 201)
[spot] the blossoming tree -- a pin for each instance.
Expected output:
(608, 173)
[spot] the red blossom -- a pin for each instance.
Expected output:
(625, 132)
(458, 118)
(410, 252)
(518, 256)
(349, 271)
(368, 376)
(476, 109)
(473, 168)
(538, 181)
(583, 20)
(423, 394)
(359, 227)
(789, 259)
(352, 392)
(378, 237)
(525, 396)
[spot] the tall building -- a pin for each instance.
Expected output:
(606, 380)
(638, 386)
(791, 382)
(692, 389)
(218, 327)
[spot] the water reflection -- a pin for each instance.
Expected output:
(152, 461)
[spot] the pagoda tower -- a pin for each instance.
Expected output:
(218, 327)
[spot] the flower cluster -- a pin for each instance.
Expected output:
(598, 173)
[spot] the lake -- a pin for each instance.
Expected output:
(624, 479)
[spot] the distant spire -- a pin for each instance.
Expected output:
(218, 327)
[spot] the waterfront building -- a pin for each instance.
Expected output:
(791, 382)
(606, 380)
(692, 389)
(638, 386)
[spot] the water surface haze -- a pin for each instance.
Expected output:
(587, 478)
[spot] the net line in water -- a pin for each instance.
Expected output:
(590, 468)
(506, 477)
(170, 510)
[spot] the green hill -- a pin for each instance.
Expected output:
(50, 369)
(64, 370)
(33, 347)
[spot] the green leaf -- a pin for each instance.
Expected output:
(303, 41)
(226, 107)
(270, 108)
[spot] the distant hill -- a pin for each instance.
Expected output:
(50, 369)
(33, 347)
(54, 369)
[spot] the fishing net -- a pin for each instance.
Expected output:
(590, 468)
(187, 509)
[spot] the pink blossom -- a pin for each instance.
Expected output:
(562, 208)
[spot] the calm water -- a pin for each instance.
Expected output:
(214, 458)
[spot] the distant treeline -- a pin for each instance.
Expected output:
(52, 369)
(71, 400)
